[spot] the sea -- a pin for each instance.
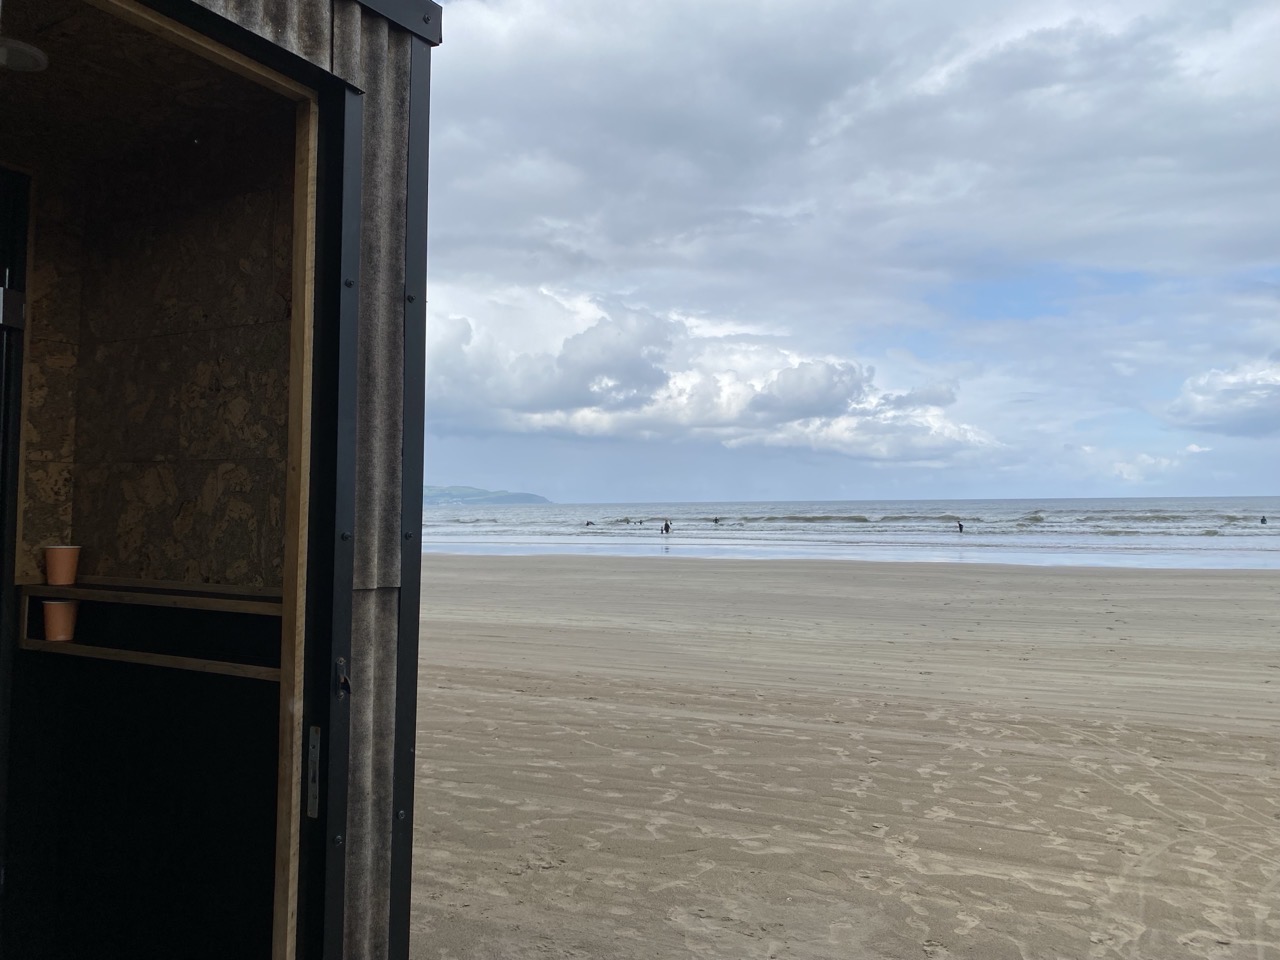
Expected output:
(1192, 532)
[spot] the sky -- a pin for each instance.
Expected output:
(714, 250)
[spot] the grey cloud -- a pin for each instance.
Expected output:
(934, 395)
(614, 364)
(451, 382)
(816, 141)
(813, 389)
(1242, 401)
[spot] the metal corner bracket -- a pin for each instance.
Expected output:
(420, 17)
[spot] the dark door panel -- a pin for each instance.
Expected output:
(15, 191)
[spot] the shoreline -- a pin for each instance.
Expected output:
(674, 757)
(774, 555)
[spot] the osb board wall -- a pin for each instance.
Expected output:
(171, 404)
(53, 333)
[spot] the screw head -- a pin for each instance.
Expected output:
(348, 282)
(400, 815)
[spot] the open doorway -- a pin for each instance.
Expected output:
(164, 366)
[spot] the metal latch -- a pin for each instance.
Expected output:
(342, 680)
(12, 308)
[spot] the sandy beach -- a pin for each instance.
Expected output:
(669, 758)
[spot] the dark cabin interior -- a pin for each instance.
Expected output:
(147, 217)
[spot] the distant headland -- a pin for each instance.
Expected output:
(439, 496)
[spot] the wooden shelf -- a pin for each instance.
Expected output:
(159, 597)
(174, 586)
(71, 648)
(167, 636)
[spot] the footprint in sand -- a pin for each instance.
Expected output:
(967, 923)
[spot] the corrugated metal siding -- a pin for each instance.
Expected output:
(375, 56)
(304, 27)
(368, 904)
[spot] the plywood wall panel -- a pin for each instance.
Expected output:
(233, 402)
(165, 268)
(128, 401)
(54, 300)
(50, 413)
(46, 516)
(183, 375)
(194, 521)
(56, 293)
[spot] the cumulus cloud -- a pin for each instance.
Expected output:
(1130, 467)
(1142, 467)
(1243, 400)
(615, 364)
(634, 374)
(919, 437)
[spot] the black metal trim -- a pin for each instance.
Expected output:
(420, 17)
(415, 345)
(333, 512)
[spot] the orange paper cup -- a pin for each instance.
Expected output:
(59, 619)
(60, 565)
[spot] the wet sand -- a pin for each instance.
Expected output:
(668, 758)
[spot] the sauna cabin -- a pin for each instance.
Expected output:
(203, 304)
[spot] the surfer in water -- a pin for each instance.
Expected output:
(960, 526)
(666, 526)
